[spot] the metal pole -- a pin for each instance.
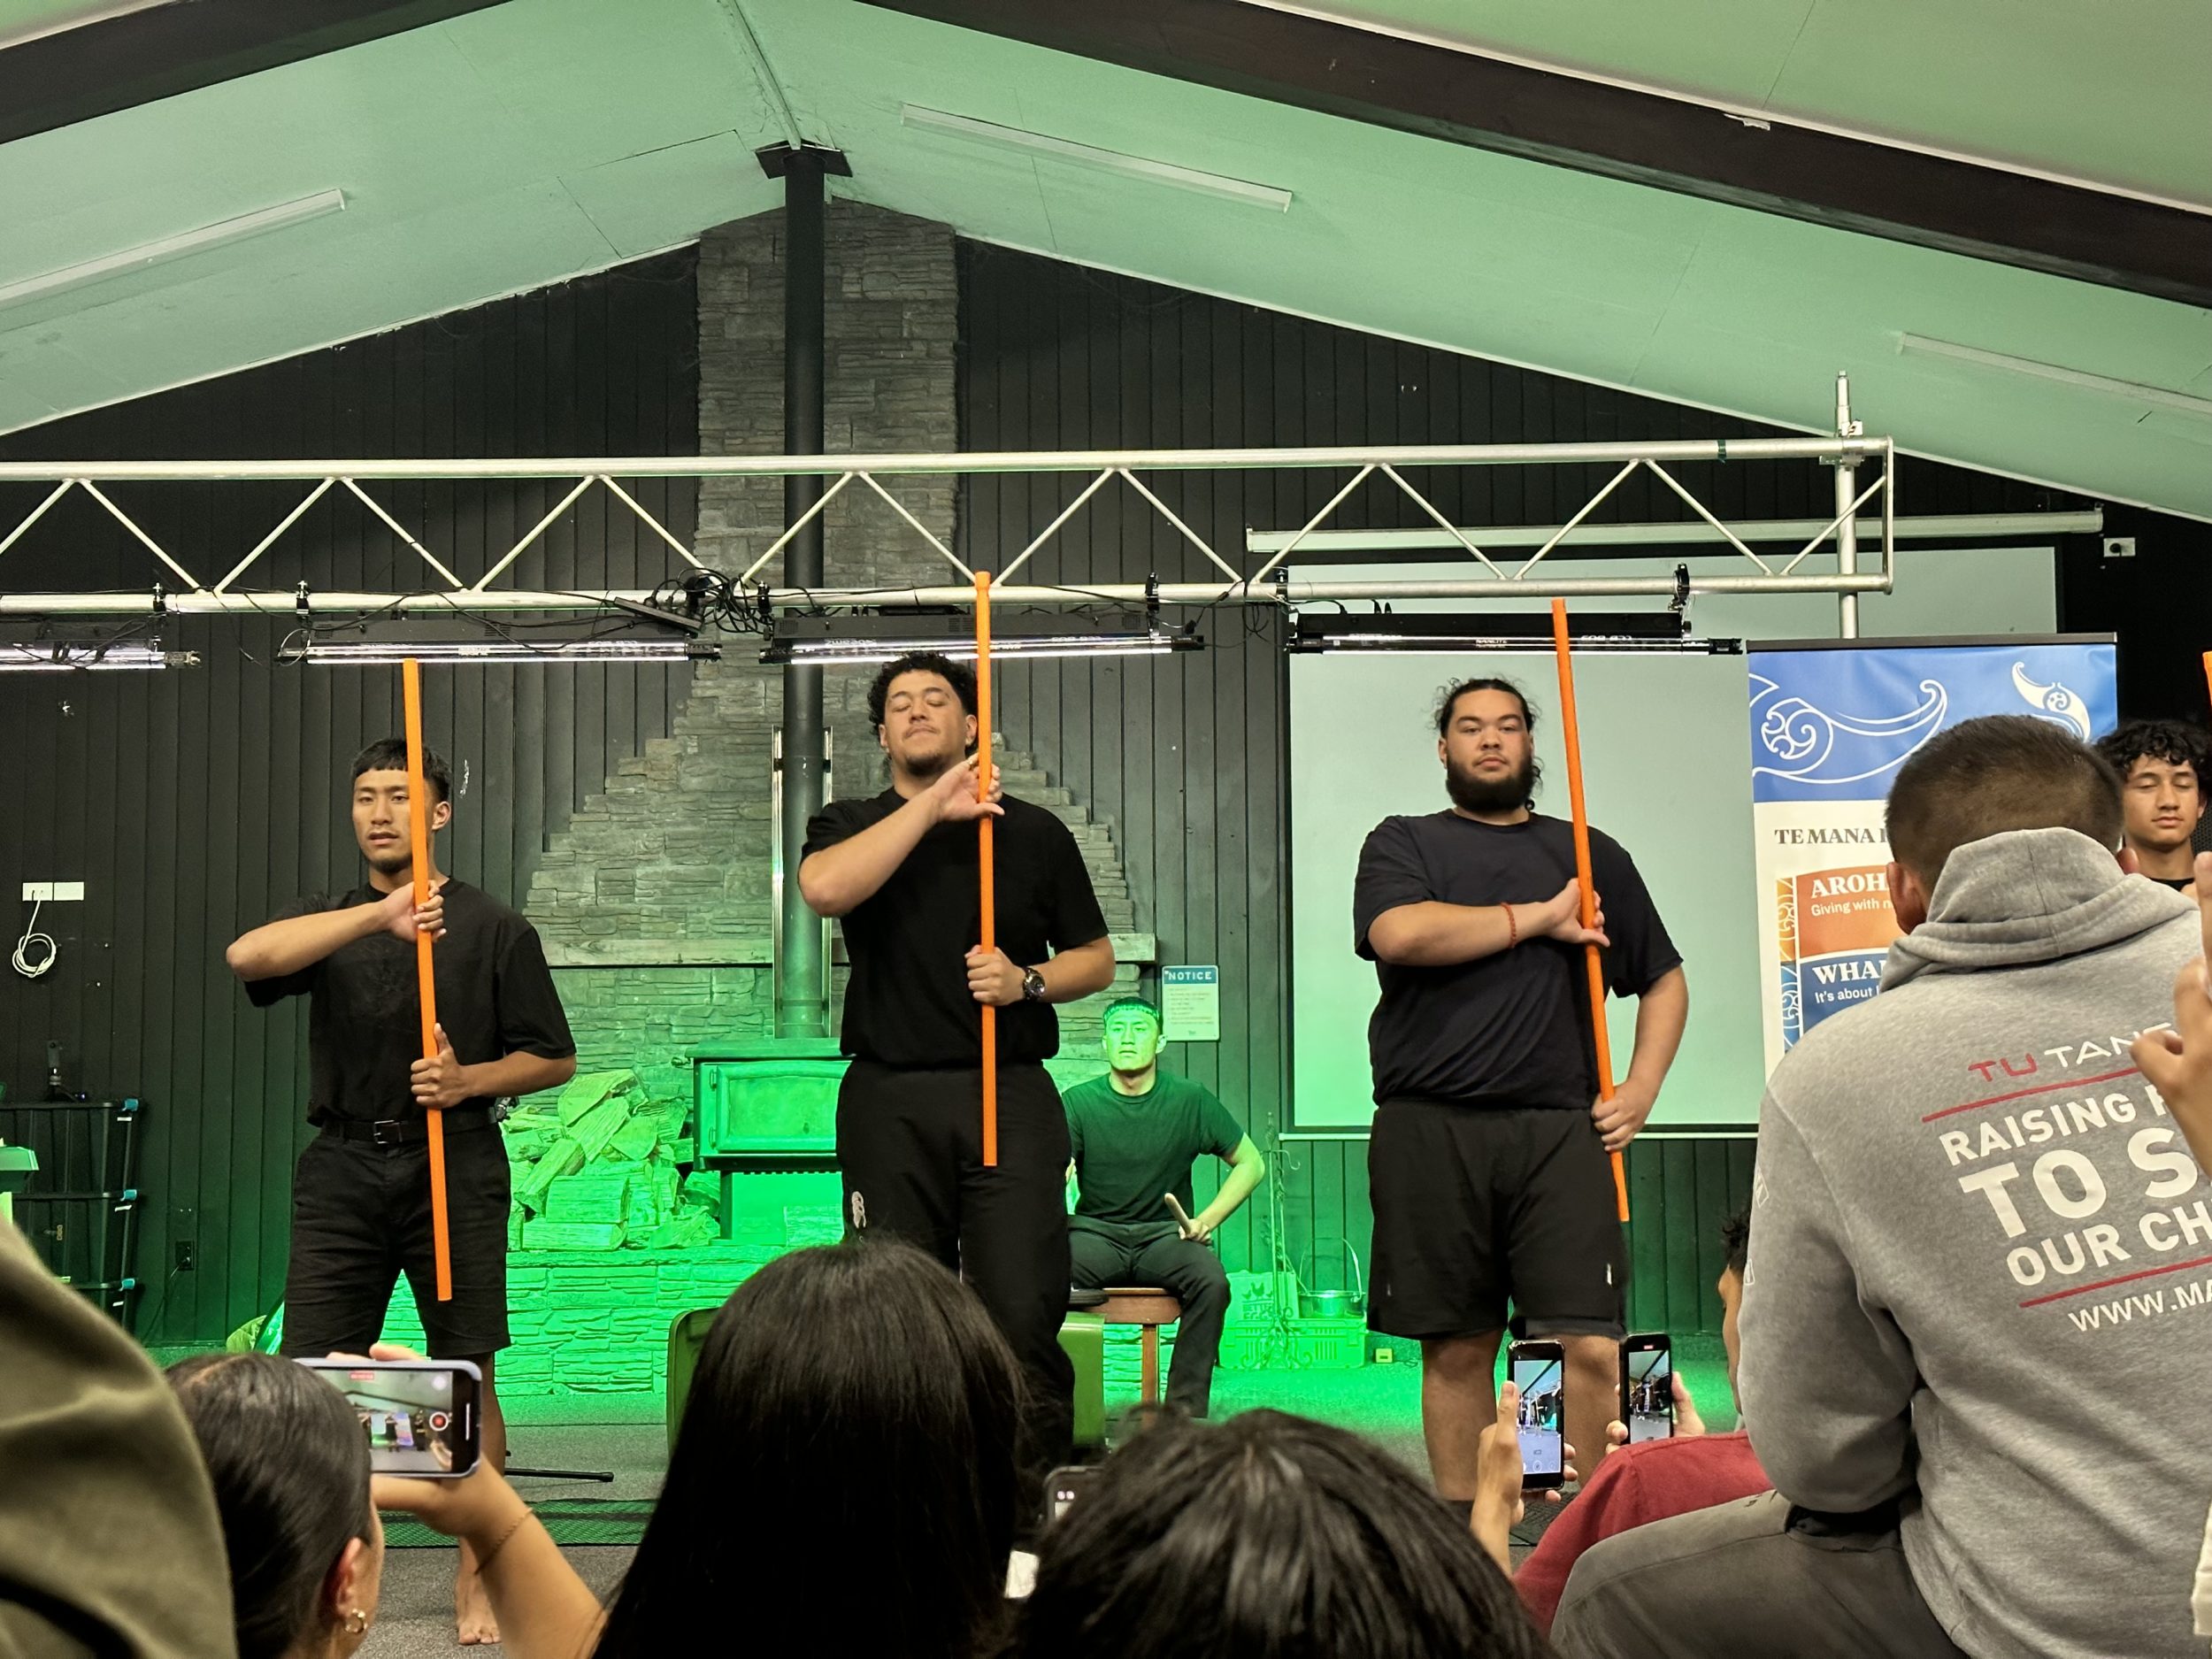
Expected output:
(1848, 532)
(802, 968)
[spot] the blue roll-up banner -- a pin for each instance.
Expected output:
(1830, 723)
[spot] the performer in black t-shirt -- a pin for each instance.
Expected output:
(901, 872)
(1487, 1164)
(361, 1191)
(1135, 1134)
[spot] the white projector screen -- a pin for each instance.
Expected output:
(1666, 755)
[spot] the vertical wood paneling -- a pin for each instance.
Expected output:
(195, 802)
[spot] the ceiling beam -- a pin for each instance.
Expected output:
(117, 63)
(1908, 196)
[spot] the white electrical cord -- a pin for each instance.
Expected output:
(31, 938)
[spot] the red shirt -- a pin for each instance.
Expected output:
(1636, 1484)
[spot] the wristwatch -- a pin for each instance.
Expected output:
(1033, 986)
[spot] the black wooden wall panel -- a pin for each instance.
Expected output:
(193, 802)
(1184, 756)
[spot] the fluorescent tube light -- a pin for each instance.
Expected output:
(219, 235)
(1067, 150)
(373, 653)
(1499, 634)
(76, 656)
(874, 637)
(2134, 391)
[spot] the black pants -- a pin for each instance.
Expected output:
(910, 1147)
(1190, 1273)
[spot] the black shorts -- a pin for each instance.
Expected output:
(361, 1217)
(1475, 1206)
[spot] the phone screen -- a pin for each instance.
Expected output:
(420, 1417)
(1541, 1379)
(1649, 1392)
(1062, 1487)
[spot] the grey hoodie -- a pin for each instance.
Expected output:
(1981, 1275)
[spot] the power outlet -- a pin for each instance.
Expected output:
(53, 892)
(188, 1256)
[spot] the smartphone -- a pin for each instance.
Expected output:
(420, 1416)
(1539, 1370)
(1648, 1387)
(1063, 1487)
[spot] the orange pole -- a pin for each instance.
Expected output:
(1590, 958)
(983, 832)
(426, 985)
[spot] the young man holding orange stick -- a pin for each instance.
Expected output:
(1488, 1164)
(361, 1195)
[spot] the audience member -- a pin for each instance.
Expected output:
(1657, 1478)
(1267, 1535)
(109, 1539)
(1960, 1365)
(1134, 1135)
(2179, 1064)
(2161, 765)
(290, 1467)
(844, 1473)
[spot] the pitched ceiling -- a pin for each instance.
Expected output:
(525, 143)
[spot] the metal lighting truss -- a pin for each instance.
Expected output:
(1253, 575)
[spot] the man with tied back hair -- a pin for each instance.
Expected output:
(1487, 1162)
(1975, 1321)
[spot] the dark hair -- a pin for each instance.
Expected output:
(2175, 741)
(1449, 699)
(290, 1467)
(2004, 772)
(389, 754)
(1735, 1241)
(1142, 1005)
(1268, 1534)
(959, 676)
(854, 1398)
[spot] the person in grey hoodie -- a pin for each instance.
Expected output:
(1979, 1304)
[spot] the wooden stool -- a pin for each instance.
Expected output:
(1149, 1307)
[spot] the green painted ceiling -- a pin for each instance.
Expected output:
(535, 141)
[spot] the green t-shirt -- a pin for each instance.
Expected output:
(1131, 1149)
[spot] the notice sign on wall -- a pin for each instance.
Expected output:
(1190, 1003)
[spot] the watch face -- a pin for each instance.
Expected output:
(1033, 985)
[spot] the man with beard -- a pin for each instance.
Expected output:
(361, 1192)
(1487, 1164)
(900, 871)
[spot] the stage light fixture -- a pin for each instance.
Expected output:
(1501, 632)
(76, 656)
(382, 642)
(885, 636)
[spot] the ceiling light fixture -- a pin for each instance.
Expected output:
(383, 641)
(76, 656)
(2134, 391)
(1067, 150)
(222, 234)
(1500, 634)
(865, 637)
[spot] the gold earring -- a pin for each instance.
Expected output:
(356, 1623)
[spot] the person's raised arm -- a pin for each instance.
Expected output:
(839, 878)
(2178, 1063)
(293, 942)
(544, 1609)
(1434, 934)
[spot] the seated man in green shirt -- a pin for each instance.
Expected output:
(1134, 1135)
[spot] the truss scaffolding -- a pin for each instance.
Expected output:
(202, 581)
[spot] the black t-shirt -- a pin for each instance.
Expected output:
(2177, 883)
(1511, 1029)
(496, 997)
(908, 1002)
(1131, 1149)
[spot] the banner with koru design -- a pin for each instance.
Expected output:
(1830, 723)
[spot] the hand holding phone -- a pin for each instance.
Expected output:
(420, 1415)
(1648, 1387)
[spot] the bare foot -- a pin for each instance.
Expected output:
(472, 1618)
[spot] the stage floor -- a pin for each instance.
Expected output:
(597, 1522)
